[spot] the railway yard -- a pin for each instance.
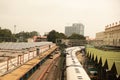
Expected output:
(59, 40)
(39, 61)
(43, 61)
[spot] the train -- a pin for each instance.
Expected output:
(74, 69)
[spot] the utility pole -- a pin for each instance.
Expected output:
(14, 32)
(14, 29)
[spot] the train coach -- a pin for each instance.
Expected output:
(74, 69)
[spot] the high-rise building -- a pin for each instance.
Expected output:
(77, 28)
(68, 30)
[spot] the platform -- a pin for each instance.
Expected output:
(22, 70)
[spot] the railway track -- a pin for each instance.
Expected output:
(52, 72)
(44, 70)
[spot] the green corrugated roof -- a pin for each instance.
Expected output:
(110, 56)
(117, 65)
(103, 61)
(110, 63)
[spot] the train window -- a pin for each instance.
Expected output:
(77, 70)
(79, 77)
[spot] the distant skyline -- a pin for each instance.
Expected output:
(77, 28)
(46, 15)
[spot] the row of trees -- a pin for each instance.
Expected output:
(23, 36)
(7, 36)
(53, 35)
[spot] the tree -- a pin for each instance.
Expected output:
(53, 35)
(33, 33)
(62, 36)
(76, 36)
(5, 35)
(23, 36)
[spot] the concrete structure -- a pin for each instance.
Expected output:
(71, 42)
(111, 35)
(77, 28)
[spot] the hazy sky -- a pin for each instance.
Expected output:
(46, 15)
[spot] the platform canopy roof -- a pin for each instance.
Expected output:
(110, 56)
(23, 45)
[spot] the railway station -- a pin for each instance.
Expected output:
(44, 60)
(59, 39)
(20, 60)
(38, 61)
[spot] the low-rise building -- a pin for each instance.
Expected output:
(111, 35)
(100, 36)
(30, 40)
(39, 38)
(99, 40)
